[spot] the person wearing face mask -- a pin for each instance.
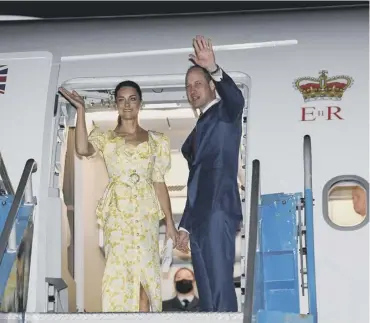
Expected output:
(185, 299)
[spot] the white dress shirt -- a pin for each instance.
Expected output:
(189, 298)
(216, 77)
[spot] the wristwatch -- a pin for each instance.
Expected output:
(216, 71)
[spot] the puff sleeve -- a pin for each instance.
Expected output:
(97, 138)
(162, 163)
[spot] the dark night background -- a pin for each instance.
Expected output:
(91, 9)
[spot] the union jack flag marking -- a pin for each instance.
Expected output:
(3, 76)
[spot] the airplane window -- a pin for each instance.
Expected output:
(345, 203)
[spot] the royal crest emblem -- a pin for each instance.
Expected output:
(323, 87)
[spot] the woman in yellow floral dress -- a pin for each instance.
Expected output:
(134, 201)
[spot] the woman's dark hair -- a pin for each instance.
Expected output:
(131, 84)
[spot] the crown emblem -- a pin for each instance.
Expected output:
(323, 87)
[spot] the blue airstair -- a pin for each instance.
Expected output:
(16, 231)
(281, 237)
(280, 240)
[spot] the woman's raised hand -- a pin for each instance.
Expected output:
(73, 98)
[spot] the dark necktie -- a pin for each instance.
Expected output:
(186, 303)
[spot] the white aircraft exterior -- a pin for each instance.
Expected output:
(316, 83)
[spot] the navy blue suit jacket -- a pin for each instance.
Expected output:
(212, 153)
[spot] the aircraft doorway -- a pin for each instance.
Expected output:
(165, 110)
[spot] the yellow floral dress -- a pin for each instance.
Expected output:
(129, 213)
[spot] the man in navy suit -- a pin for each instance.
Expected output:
(213, 208)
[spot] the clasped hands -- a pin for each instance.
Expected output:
(180, 238)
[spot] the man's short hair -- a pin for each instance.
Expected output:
(205, 72)
(183, 268)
